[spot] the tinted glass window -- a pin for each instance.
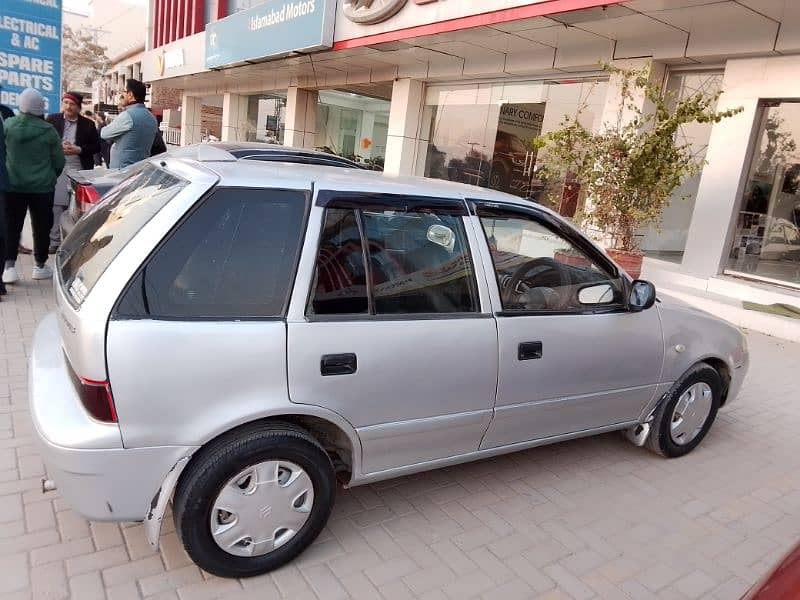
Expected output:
(233, 257)
(419, 263)
(340, 281)
(538, 269)
(100, 236)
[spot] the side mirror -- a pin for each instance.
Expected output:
(643, 295)
(599, 293)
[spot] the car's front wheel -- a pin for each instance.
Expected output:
(252, 501)
(686, 413)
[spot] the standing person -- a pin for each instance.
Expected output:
(134, 130)
(3, 188)
(81, 141)
(5, 111)
(35, 159)
(105, 148)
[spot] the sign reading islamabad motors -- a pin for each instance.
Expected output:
(272, 29)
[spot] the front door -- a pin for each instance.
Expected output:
(389, 330)
(572, 358)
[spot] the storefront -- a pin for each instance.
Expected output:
(459, 91)
(483, 133)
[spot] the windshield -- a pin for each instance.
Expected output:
(100, 236)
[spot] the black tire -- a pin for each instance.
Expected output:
(660, 439)
(217, 463)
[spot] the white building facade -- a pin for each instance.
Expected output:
(457, 90)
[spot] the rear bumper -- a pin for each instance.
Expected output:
(98, 477)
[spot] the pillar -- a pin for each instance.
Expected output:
(301, 117)
(405, 116)
(191, 127)
(234, 118)
(715, 209)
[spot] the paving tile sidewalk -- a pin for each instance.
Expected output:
(592, 518)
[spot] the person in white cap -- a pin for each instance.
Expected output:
(35, 159)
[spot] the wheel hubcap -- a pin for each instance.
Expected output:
(690, 413)
(261, 508)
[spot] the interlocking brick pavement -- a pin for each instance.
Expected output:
(591, 518)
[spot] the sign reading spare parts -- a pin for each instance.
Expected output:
(30, 50)
(272, 29)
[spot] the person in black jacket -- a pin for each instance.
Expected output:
(81, 142)
(5, 111)
(3, 188)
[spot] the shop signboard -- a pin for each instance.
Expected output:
(379, 21)
(30, 50)
(273, 29)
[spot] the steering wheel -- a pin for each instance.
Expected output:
(548, 296)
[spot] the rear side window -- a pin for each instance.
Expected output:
(233, 257)
(341, 276)
(387, 262)
(100, 236)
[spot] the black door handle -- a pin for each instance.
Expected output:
(338, 364)
(529, 351)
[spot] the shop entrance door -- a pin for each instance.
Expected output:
(766, 241)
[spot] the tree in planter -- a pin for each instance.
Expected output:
(629, 170)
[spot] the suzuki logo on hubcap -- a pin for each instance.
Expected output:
(265, 511)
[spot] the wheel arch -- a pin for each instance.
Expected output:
(724, 372)
(337, 437)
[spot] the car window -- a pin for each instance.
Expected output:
(340, 280)
(418, 262)
(233, 257)
(539, 270)
(100, 236)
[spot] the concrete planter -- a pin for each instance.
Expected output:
(631, 262)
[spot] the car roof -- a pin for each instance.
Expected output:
(254, 174)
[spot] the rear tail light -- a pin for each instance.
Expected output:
(86, 197)
(96, 397)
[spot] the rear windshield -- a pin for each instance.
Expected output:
(100, 236)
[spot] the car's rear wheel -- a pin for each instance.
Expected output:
(686, 413)
(252, 501)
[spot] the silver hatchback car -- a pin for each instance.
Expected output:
(235, 337)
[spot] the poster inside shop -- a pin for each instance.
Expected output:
(517, 127)
(30, 50)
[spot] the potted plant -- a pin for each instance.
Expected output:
(628, 171)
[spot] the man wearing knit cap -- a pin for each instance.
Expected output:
(35, 159)
(80, 141)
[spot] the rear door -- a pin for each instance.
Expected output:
(390, 327)
(197, 343)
